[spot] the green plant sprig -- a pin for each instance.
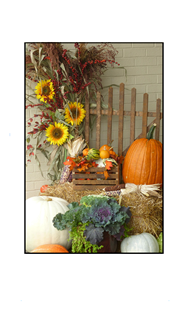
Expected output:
(79, 243)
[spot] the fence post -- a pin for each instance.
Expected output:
(110, 102)
(158, 110)
(121, 119)
(87, 118)
(98, 121)
(132, 118)
(145, 115)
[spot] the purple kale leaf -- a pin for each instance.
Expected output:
(92, 234)
(101, 215)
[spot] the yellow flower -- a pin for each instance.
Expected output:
(57, 134)
(75, 108)
(44, 90)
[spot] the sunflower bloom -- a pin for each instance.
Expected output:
(57, 134)
(78, 113)
(44, 90)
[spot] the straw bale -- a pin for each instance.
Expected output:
(147, 213)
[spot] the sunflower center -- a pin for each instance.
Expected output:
(46, 90)
(57, 133)
(74, 113)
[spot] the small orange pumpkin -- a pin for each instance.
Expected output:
(112, 153)
(85, 152)
(106, 147)
(43, 188)
(50, 248)
(143, 161)
(104, 153)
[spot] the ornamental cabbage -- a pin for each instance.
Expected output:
(101, 213)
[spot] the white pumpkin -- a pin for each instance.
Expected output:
(144, 242)
(40, 211)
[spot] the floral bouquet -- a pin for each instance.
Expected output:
(60, 81)
(89, 220)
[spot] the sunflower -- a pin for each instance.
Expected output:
(44, 90)
(57, 134)
(76, 109)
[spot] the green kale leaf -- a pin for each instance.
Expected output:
(59, 221)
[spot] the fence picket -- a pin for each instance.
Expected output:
(132, 118)
(158, 110)
(121, 118)
(144, 115)
(110, 102)
(87, 119)
(98, 121)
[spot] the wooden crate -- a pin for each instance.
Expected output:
(97, 179)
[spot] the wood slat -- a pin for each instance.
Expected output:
(94, 182)
(98, 120)
(96, 169)
(144, 115)
(121, 119)
(126, 113)
(110, 111)
(132, 119)
(94, 176)
(158, 109)
(87, 119)
(88, 187)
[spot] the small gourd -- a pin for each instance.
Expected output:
(85, 152)
(144, 242)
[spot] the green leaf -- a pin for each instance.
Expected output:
(55, 158)
(39, 165)
(59, 115)
(44, 152)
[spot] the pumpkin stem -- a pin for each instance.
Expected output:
(150, 132)
(110, 144)
(48, 199)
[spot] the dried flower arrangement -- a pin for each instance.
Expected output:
(62, 80)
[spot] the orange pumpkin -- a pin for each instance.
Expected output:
(85, 152)
(43, 188)
(104, 153)
(112, 153)
(143, 161)
(51, 248)
(106, 147)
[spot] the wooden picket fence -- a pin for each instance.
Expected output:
(121, 113)
(95, 177)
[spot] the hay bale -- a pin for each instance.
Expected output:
(147, 214)
(66, 192)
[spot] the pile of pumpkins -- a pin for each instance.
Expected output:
(104, 152)
(142, 165)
